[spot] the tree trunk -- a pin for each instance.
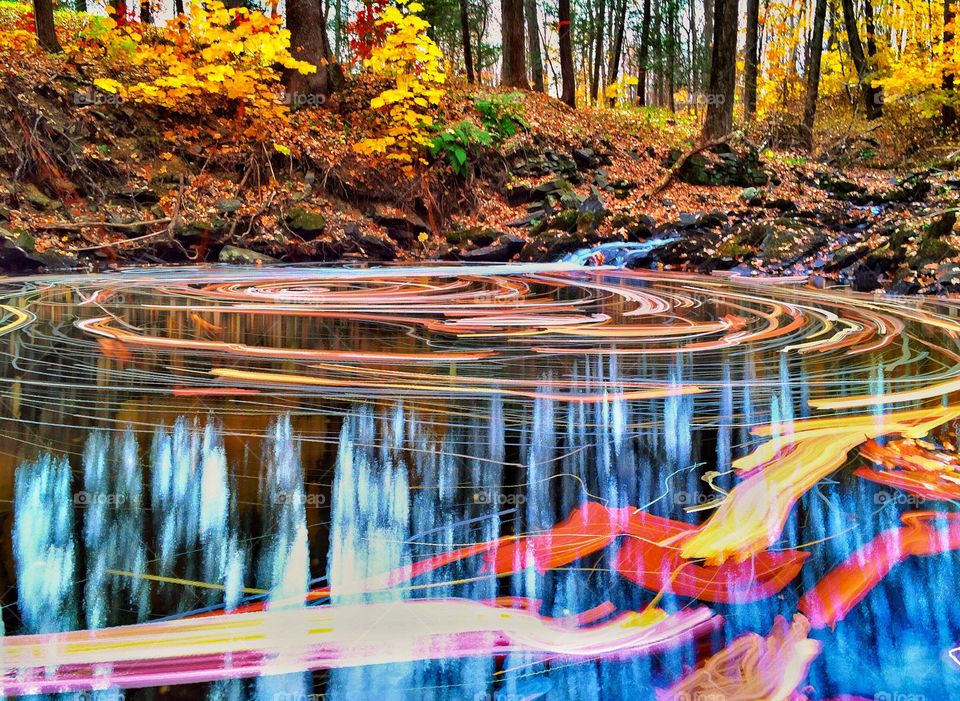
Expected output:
(707, 36)
(177, 7)
(597, 53)
(514, 70)
(465, 37)
(46, 30)
(672, 46)
(567, 78)
(613, 73)
(870, 96)
(533, 41)
(752, 60)
(813, 75)
(723, 71)
(948, 113)
(80, 5)
(146, 12)
(872, 50)
(644, 55)
(309, 42)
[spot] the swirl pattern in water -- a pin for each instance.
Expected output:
(506, 482)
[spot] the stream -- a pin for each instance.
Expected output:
(475, 482)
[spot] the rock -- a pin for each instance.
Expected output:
(368, 246)
(584, 158)
(592, 205)
(243, 256)
(788, 240)
(687, 220)
(517, 195)
(565, 220)
(903, 287)
(622, 188)
(943, 225)
(549, 246)
(752, 195)
(501, 251)
(18, 254)
(400, 225)
(722, 166)
(911, 189)
(838, 187)
(306, 222)
(229, 205)
(33, 195)
(948, 274)
(817, 282)
(782, 204)
(473, 235)
(865, 280)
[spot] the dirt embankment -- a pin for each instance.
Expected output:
(86, 182)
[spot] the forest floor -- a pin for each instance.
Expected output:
(87, 182)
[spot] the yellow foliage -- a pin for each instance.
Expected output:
(412, 59)
(214, 60)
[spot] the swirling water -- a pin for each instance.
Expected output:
(182, 443)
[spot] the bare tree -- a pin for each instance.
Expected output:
(46, 30)
(644, 56)
(752, 60)
(533, 41)
(813, 75)
(616, 53)
(309, 42)
(567, 78)
(723, 71)
(598, 52)
(514, 69)
(465, 38)
(948, 113)
(871, 97)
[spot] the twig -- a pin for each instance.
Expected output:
(121, 242)
(76, 226)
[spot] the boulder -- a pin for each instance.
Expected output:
(243, 256)
(307, 223)
(500, 251)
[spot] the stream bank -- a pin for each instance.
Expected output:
(96, 186)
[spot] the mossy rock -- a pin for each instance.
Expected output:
(790, 239)
(933, 250)
(475, 235)
(565, 220)
(306, 222)
(243, 256)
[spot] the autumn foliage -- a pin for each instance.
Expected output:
(214, 60)
(412, 62)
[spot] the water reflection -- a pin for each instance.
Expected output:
(477, 483)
